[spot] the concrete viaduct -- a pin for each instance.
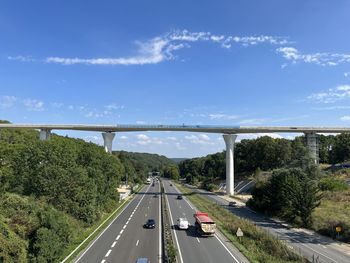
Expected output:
(229, 134)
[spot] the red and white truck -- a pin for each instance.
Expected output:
(204, 224)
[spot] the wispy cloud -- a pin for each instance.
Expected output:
(331, 95)
(220, 116)
(21, 58)
(345, 118)
(323, 59)
(7, 101)
(33, 104)
(163, 48)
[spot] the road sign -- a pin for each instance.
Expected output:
(338, 229)
(239, 232)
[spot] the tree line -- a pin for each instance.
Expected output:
(51, 191)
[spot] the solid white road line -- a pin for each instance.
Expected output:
(198, 239)
(227, 249)
(160, 229)
(94, 233)
(109, 252)
(172, 223)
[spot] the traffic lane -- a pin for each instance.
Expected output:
(135, 241)
(195, 247)
(309, 245)
(97, 249)
(188, 242)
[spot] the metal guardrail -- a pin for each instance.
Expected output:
(169, 254)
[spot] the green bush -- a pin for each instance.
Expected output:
(332, 184)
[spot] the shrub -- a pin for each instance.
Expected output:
(332, 184)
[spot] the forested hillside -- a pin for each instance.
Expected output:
(137, 165)
(51, 191)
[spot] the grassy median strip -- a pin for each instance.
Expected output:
(256, 244)
(70, 256)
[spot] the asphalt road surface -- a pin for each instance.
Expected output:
(311, 246)
(125, 240)
(191, 246)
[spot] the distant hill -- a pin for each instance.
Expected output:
(143, 162)
(178, 160)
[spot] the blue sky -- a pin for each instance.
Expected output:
(242, 63)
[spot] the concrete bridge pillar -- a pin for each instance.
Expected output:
(45, 134)
(230, 150)
(312, 145)
(108, 140)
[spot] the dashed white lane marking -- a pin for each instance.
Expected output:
(145, 215)
(121, 231)
(197, 239)
(137, 243)
(117, 237)
(109, 252)
(124, 226)
(103, 261)
(115, 242)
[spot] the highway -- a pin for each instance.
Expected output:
(125, 240)
(307, 244)
(191, 246)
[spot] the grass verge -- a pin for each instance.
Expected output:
(67, 257)
(256, 244)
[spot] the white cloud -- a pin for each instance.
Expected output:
(57, 105)
(323, 59)
(199, 139)
(345, 118)
(21, 58)
(219, 116)
(123, 137)
(143, 137)
(346, 74)
(33, 105)
(162, 48)
(114, 106)
(7, 101)
(341, 92)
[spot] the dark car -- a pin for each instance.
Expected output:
(232, 203)
(151, 223)
(179, 197)
(171, 184)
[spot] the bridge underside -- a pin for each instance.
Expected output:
(229, 134)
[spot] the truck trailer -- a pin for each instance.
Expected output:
(204, 224)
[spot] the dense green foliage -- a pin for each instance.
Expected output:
(332, 184)
(264, 153)
(138, 165)
(290, 194)
(334, 149)
(171, 171)
(52, 191)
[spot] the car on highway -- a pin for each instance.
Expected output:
(182, 223)
(232, 203)
(179, 197)
(151, 223)
(142, 260)
(171, 184)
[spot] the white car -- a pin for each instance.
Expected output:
(182, 223)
